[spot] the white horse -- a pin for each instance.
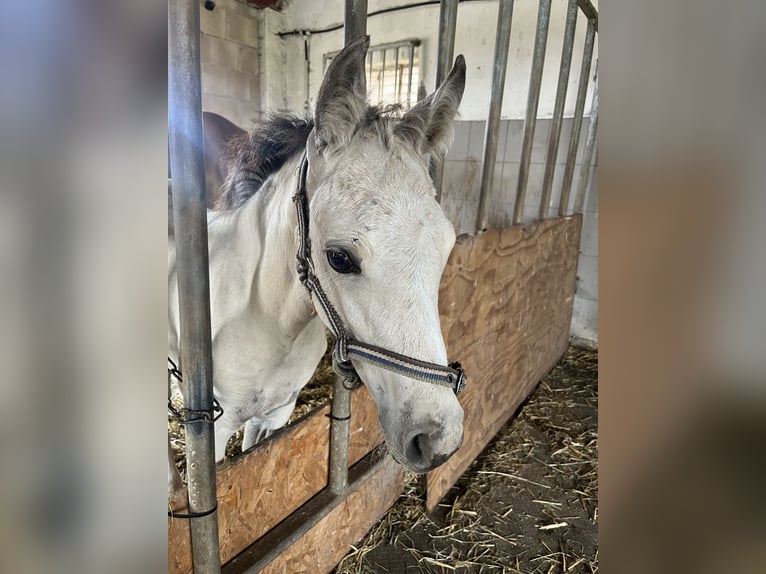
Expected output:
(380, 243)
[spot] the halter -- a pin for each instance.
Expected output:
(451, 376)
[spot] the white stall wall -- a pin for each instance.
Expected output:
(243, 62)
(475, 39)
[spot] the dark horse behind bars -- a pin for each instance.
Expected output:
(379, 242)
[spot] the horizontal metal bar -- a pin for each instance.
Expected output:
(267, 548)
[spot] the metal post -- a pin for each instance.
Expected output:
(444, 57)
(502, 40)
(355, 20)
(409, 74)
(355, 26)
(590, 146)
(574, 138)
(558, 109)
(535, 80)
(382, 77)
(446, 47)
(190, 222)
(340, 432)
(397, 77)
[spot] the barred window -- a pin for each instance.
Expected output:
(393, 72)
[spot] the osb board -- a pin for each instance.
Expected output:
(506, 305)
(322, 547)
(260, 488)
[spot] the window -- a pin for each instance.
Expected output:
(393, 72)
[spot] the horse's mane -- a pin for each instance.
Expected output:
(252, 157)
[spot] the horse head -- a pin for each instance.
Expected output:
(381, 242)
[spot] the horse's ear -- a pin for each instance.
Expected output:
(342, 97)
(218, 132)
(428, 125)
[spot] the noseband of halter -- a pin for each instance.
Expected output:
(451, 376)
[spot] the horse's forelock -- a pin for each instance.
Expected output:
(251, 158)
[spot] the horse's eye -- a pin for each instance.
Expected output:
(341, 262)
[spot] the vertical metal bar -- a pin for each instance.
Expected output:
(446, 47)
(444, 56)
(190, 223)
(574, 138)
(502, 40)
(409, 77)
(590, 146)
(355, 26)
(397, 79)
(355, 20)
(340, 432)
(369, 77)
(558, 108)
(307, 62)
(533, 99)
(382, 78)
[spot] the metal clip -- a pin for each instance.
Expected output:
(183, 415)
(461, 381)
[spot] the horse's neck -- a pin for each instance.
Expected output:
(262, 235)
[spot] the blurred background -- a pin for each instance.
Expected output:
(681, 314)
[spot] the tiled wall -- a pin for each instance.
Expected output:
(460, 197)
(230, 61)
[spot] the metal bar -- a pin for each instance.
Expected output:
(409, 77)
(190, 223)
(533, 99)
(502, 40)
(382, 77)
(355, 20)
(589, 10)
(340, 432)
(355, 26)
(446, 47)
(370, 55)
(444, 57)
(558, 109)
(590, 146)
(574, 138)
(397, 78)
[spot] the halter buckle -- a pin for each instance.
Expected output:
(461, 381)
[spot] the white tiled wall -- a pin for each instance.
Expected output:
(229, 55)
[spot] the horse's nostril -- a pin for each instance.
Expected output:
(418, 450)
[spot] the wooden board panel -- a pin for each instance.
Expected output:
(263, 486)
(506, 305)
(321, 548)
